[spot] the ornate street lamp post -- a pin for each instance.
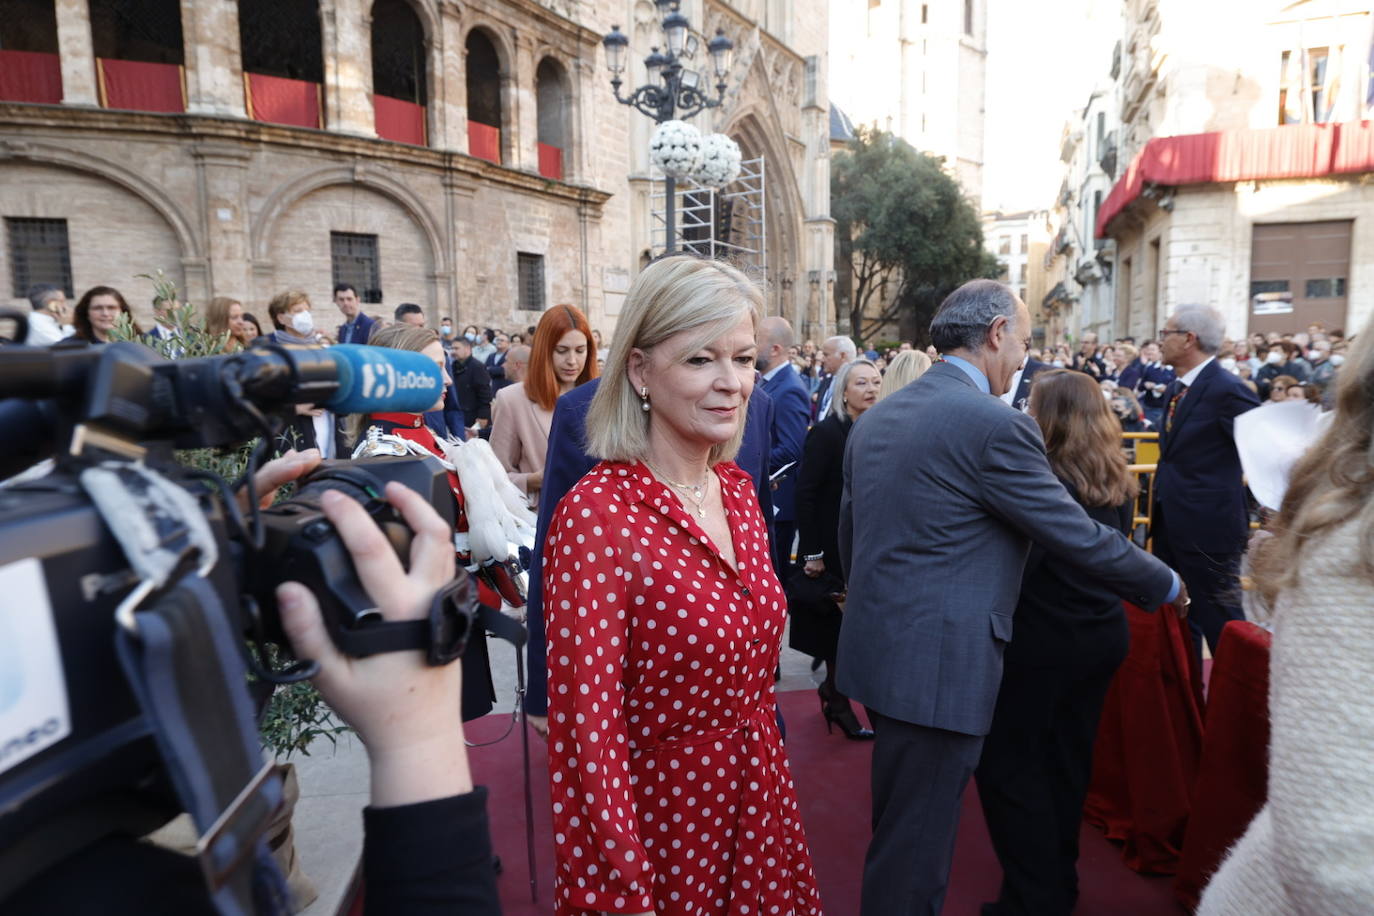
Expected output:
(673, 92)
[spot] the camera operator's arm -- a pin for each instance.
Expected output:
(427, 846)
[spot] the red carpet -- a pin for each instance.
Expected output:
(831, 774)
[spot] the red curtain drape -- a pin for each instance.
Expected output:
(1148, 743)
(1294, 151)
(399, 120)
(278, 100)
(137, 85)
(551, 161)
(1233, 775)
(484, 141)
(30, 76)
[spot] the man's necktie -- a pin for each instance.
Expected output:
(1173, 406)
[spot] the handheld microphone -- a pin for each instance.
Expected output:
(382, 380)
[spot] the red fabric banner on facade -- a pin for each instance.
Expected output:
(136, 85)
(1295, 151)
(551, 161)
(30, 76)
(399, 120)
(278, 100)
(484, 141)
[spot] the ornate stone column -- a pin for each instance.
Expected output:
(451, 94)
(347, 32)
(214, 65)
(77, 52)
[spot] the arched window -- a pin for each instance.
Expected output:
(283, 61)
(138, 54)
(399, 91)
(30, 70)
(484, 97)
(552, 100)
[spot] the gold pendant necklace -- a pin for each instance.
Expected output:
(698, 492)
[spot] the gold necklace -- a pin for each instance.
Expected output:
(698, 492)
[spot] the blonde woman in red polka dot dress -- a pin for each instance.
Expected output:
(671, 791)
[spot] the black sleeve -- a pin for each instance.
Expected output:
(430, 858)
(481, 389)
(816, 461)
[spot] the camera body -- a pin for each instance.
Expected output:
(95, 763)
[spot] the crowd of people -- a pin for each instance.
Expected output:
(704, 481)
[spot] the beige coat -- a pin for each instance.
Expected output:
(520, 436)
(1310, 850)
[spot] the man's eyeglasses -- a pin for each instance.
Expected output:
(1163, 331)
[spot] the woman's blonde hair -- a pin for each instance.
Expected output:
(838, 406)
(1332, 483)
(671, 295)
(905, 368)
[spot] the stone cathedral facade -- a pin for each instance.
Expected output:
(468, 157)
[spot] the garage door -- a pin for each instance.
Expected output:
(1299, 275)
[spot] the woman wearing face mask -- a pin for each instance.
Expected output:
(563, 357)
(312, 427)
(1281, 359)
(820, 484)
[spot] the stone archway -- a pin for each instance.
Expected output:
(784, 210)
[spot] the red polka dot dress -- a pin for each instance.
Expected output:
(671, 791)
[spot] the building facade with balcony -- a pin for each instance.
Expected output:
(1019, 240)
(1245, 159)
(469, 158)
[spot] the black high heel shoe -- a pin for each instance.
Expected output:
(844, 717)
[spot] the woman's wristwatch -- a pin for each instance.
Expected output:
(814, 556)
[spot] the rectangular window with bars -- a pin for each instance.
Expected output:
(356, 262)
(530, 270)
(39, 253)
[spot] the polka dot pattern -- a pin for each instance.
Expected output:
(671, 791)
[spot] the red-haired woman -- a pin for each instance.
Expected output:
(1071, 636)
(563, 357)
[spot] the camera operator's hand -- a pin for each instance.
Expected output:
(289, 466)
(407, 711)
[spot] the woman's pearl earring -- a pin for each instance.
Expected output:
(644, 398)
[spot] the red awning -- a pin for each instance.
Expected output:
(399, 120)
(30, 76)
(1295, 151)
(138, 85)
(278, 100)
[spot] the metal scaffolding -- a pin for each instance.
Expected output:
(730, 223)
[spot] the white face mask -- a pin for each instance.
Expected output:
(1274, 358)
(1314, 355)
(1228, 364)
(303, 323)
(1337, 359)
(1058, 364)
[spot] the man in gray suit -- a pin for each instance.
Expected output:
(945, 487)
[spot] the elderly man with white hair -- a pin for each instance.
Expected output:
(836, 353)
(1201, 522)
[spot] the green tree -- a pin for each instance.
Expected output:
(900, 221)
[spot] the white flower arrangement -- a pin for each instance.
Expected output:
(720, 161)
(676, 148)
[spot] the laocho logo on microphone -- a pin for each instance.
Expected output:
(381, 380)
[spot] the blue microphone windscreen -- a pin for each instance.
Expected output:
(383, 380)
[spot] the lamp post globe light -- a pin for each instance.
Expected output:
(674, 92)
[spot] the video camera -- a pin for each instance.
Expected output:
(132, 587)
